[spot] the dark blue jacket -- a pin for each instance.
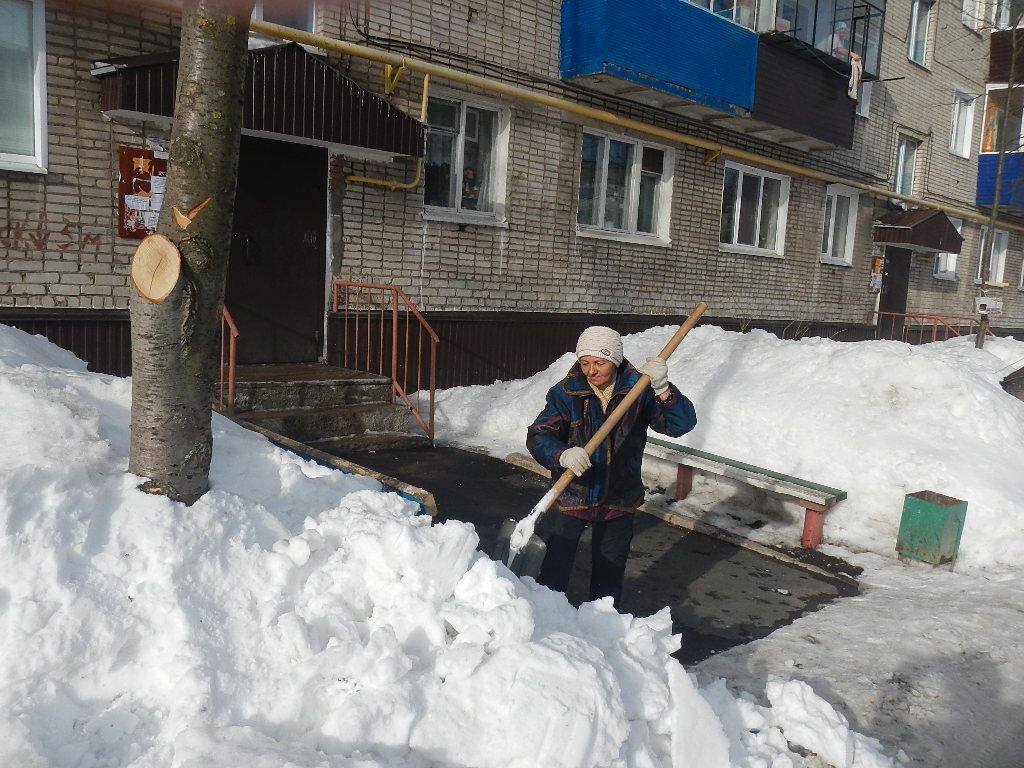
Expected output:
(572, 414)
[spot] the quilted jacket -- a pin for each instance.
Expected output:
(572, 414)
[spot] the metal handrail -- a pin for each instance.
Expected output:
(364, 305)
(942, 327)
(229, 340)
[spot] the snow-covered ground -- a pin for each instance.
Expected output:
(296, 616)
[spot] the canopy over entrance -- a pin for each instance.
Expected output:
(921, 230)
(290, 94)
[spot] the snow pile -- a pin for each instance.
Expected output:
(878, 419)
(298, 616)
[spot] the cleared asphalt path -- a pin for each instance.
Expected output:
(721, 595)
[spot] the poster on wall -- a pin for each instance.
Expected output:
(141, 181)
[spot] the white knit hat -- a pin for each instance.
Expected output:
(599, 341)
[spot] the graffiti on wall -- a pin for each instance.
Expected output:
(37, 236)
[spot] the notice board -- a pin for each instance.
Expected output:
(141, 181)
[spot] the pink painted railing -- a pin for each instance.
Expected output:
(228, 349)
(921, 327)
(382, 332)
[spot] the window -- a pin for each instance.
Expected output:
(997, 100)
(1007, 13)
(963, 123)
(740, 11)
(906, 162)
(22, 86)
(754, 205)
(864, 98)
(463, 171)
(625, 187)
(840, 226)
(998, 262)
(945, 263)
(917, 37)
(287, 13)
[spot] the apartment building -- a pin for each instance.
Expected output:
(736, 153)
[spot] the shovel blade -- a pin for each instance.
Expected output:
(528, 560)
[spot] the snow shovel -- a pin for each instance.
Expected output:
(518, 546)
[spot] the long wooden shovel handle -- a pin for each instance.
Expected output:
(613, 419)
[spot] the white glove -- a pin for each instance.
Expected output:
(657, 369)
(575, 459)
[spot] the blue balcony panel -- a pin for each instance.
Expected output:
(1012, 187)
(661, 46)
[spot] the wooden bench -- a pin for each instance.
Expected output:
(814, 498)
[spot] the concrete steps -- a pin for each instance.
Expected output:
(332, 409)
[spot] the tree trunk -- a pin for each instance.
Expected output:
(175, 344)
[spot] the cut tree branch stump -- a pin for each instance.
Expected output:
(156, 267)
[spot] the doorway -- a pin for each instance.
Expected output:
(276, 271)
(893, 298)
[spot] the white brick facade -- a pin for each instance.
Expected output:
(58, 230)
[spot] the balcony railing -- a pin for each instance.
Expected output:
(673, 48)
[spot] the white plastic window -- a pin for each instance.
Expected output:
(945, 263)
(840, 224)
(22, 86)
(625, 187)
(754, 209)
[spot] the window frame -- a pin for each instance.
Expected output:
(990, 89)
(663, 192)
(499, 169)
(781, 220)
(257, 15)
(949, 275)
(960, 96)
(833, 191)
(36, 162)
(1000, 234)
(972, 14)
(902, 142)
(915, 23)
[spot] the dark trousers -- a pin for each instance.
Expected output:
(609, 551)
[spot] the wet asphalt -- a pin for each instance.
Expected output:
(720, 595)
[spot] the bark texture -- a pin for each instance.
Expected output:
(175, 345)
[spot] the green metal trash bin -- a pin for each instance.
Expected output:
(930, 527)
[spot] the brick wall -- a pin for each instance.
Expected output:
(539, 263)
(58, 243)
(57, 231)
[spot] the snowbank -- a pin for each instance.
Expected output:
(298, 616)
(878, 419)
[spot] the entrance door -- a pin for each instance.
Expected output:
(276, 273)
(893, 298)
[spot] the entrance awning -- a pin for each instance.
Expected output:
(922, 230)
(290, 94)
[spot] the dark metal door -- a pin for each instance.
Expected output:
(276, 273)
(893, 298)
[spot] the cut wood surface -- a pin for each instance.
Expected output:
(156, 267)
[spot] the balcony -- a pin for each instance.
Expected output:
(705, 60)
(1012, 187)
(664, 53)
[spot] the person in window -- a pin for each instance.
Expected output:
(608, 489)
(838, 42)
(470, 189)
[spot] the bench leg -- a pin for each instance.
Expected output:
(814, 521)
(684, 481)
